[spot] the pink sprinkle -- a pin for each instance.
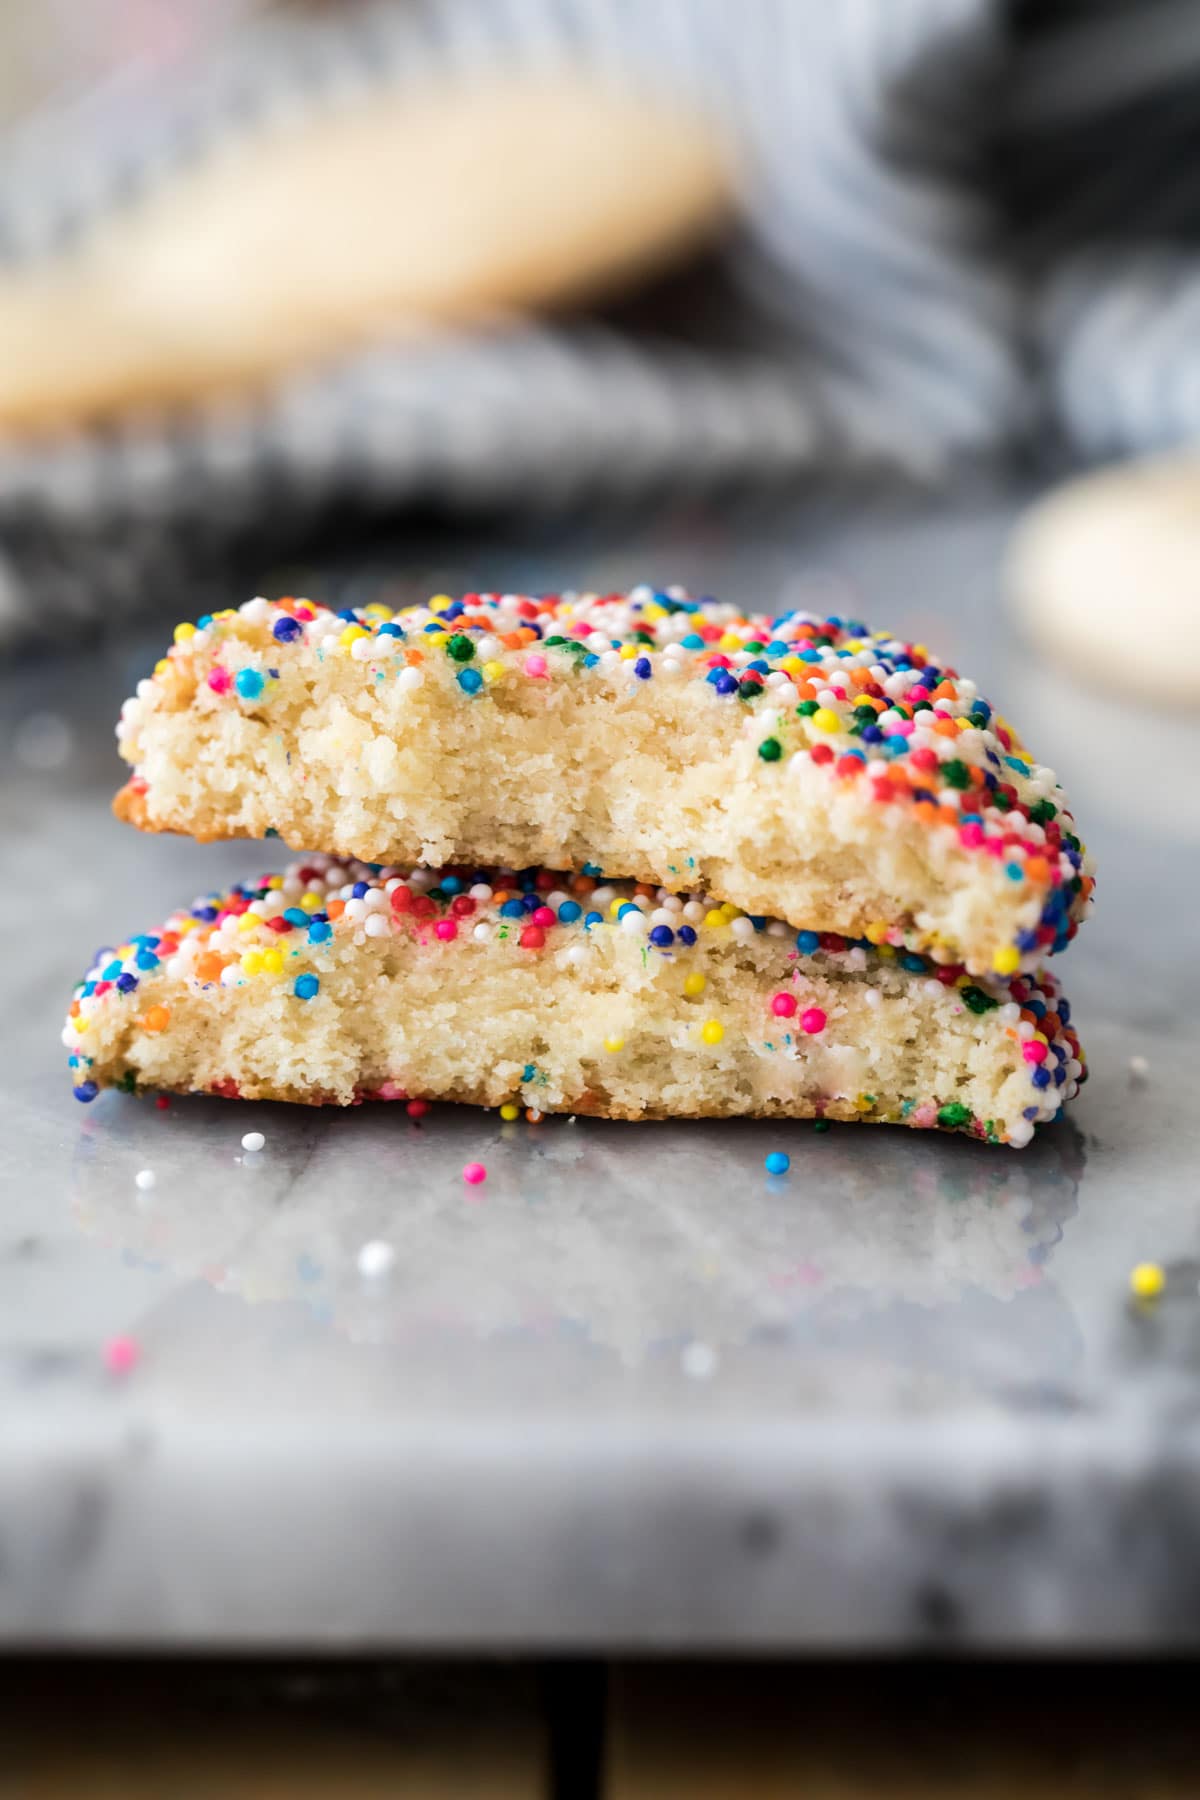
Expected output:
(220, 680)
(783, 1005)
(545, 915)
(917, 693)
(162, 1102)
(391, 1090)
(121, 1354)
(535, 665)
(416, 1109)
(925, 1115)
(474, 1173)
(970, 836)
(445, 929)
(1033, 1052)
(813, 1020)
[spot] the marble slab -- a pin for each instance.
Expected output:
(633, 1392)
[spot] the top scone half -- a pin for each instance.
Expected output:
(795, 766)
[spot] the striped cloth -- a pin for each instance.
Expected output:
(968, 228)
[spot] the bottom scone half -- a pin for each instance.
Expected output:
(335, 983)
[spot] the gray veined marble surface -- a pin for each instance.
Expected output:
(632, 1391)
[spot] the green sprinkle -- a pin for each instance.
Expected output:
(820, 1124)
(956, 774)
(807, 708)
(954, 1115)
(460, 647)
(1042, 812)
(770, 749)
(977, 1000)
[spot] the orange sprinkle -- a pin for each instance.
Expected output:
(926, 811)
(412, 657)
(1037, 869)
(335, 908)
(945, 727)
(155, 1018)
(209, 966)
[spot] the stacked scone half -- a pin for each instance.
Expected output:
(636, 855)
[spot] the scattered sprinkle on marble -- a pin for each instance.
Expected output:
(375, 1259)
(1147, 1280)
(699, 1361)
(253, 1140)
(1139, 1068)
(145, 1179)
(778, 1163)
(474, 1173)
(121, 1354)
(163, 1102)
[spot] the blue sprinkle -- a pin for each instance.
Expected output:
(249, 683)
(778, 1163)
(1014, 871)
(512, 909)
(530, 902)
(692, 641)
(470, 680)
(126, 983)
(593, 918)
(725, 683)
(307, 987)
(207, 913)
(204, 623)
(871, 734)
(627, 907)
(286, 629)
(897, 742)
(295, 916)
(86, 1091)
(89, 988)
(348, 613)
(686, 934)
(591, 868)
(912, 962)
(662, 936)
(147, 960)
(641, 668)
(450, 884)
(569, 911)
(1041, 1077)
(590, 661)
(807, 942)
(111, 972)
(319, 931)
(390, 630)
(1026, 940)
(359, 889)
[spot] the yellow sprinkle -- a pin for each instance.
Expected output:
(252, 962)
(509, 1111)
(1007, 961)
(715, 917)
(228, 612)
(963, 980)
(184, 632)
(825, 719)
(1147, 1280)
(876, 933)
(614, 1044)
(440, 602)
(695, 984)
(730, 641)
(248, 922)
(614, 906)
(887, 952)
(161, 666)
(863, 1103)
(186, 925)
(80, 1023)
(654, 612)
(627, 652)
(492, 671)
(793, 665)
(352, 632)
(272, 962)
(712, 1031)
(730, 910)
(310, 902)
(377, 610)
(275, 881)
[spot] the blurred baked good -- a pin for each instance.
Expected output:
(397, 214)
(1104, 575)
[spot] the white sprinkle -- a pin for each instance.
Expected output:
(145, 1179)
(375, 900)
(699, 1361)
(363, 649)
(377, 926)
(743, 930)
(575, 955)
(253, 1140)
(481, 891)
(409, 680)
(872, 996)
(634, 922)
(482, 932)
(375, 1259)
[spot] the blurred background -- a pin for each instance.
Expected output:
(798, 302)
